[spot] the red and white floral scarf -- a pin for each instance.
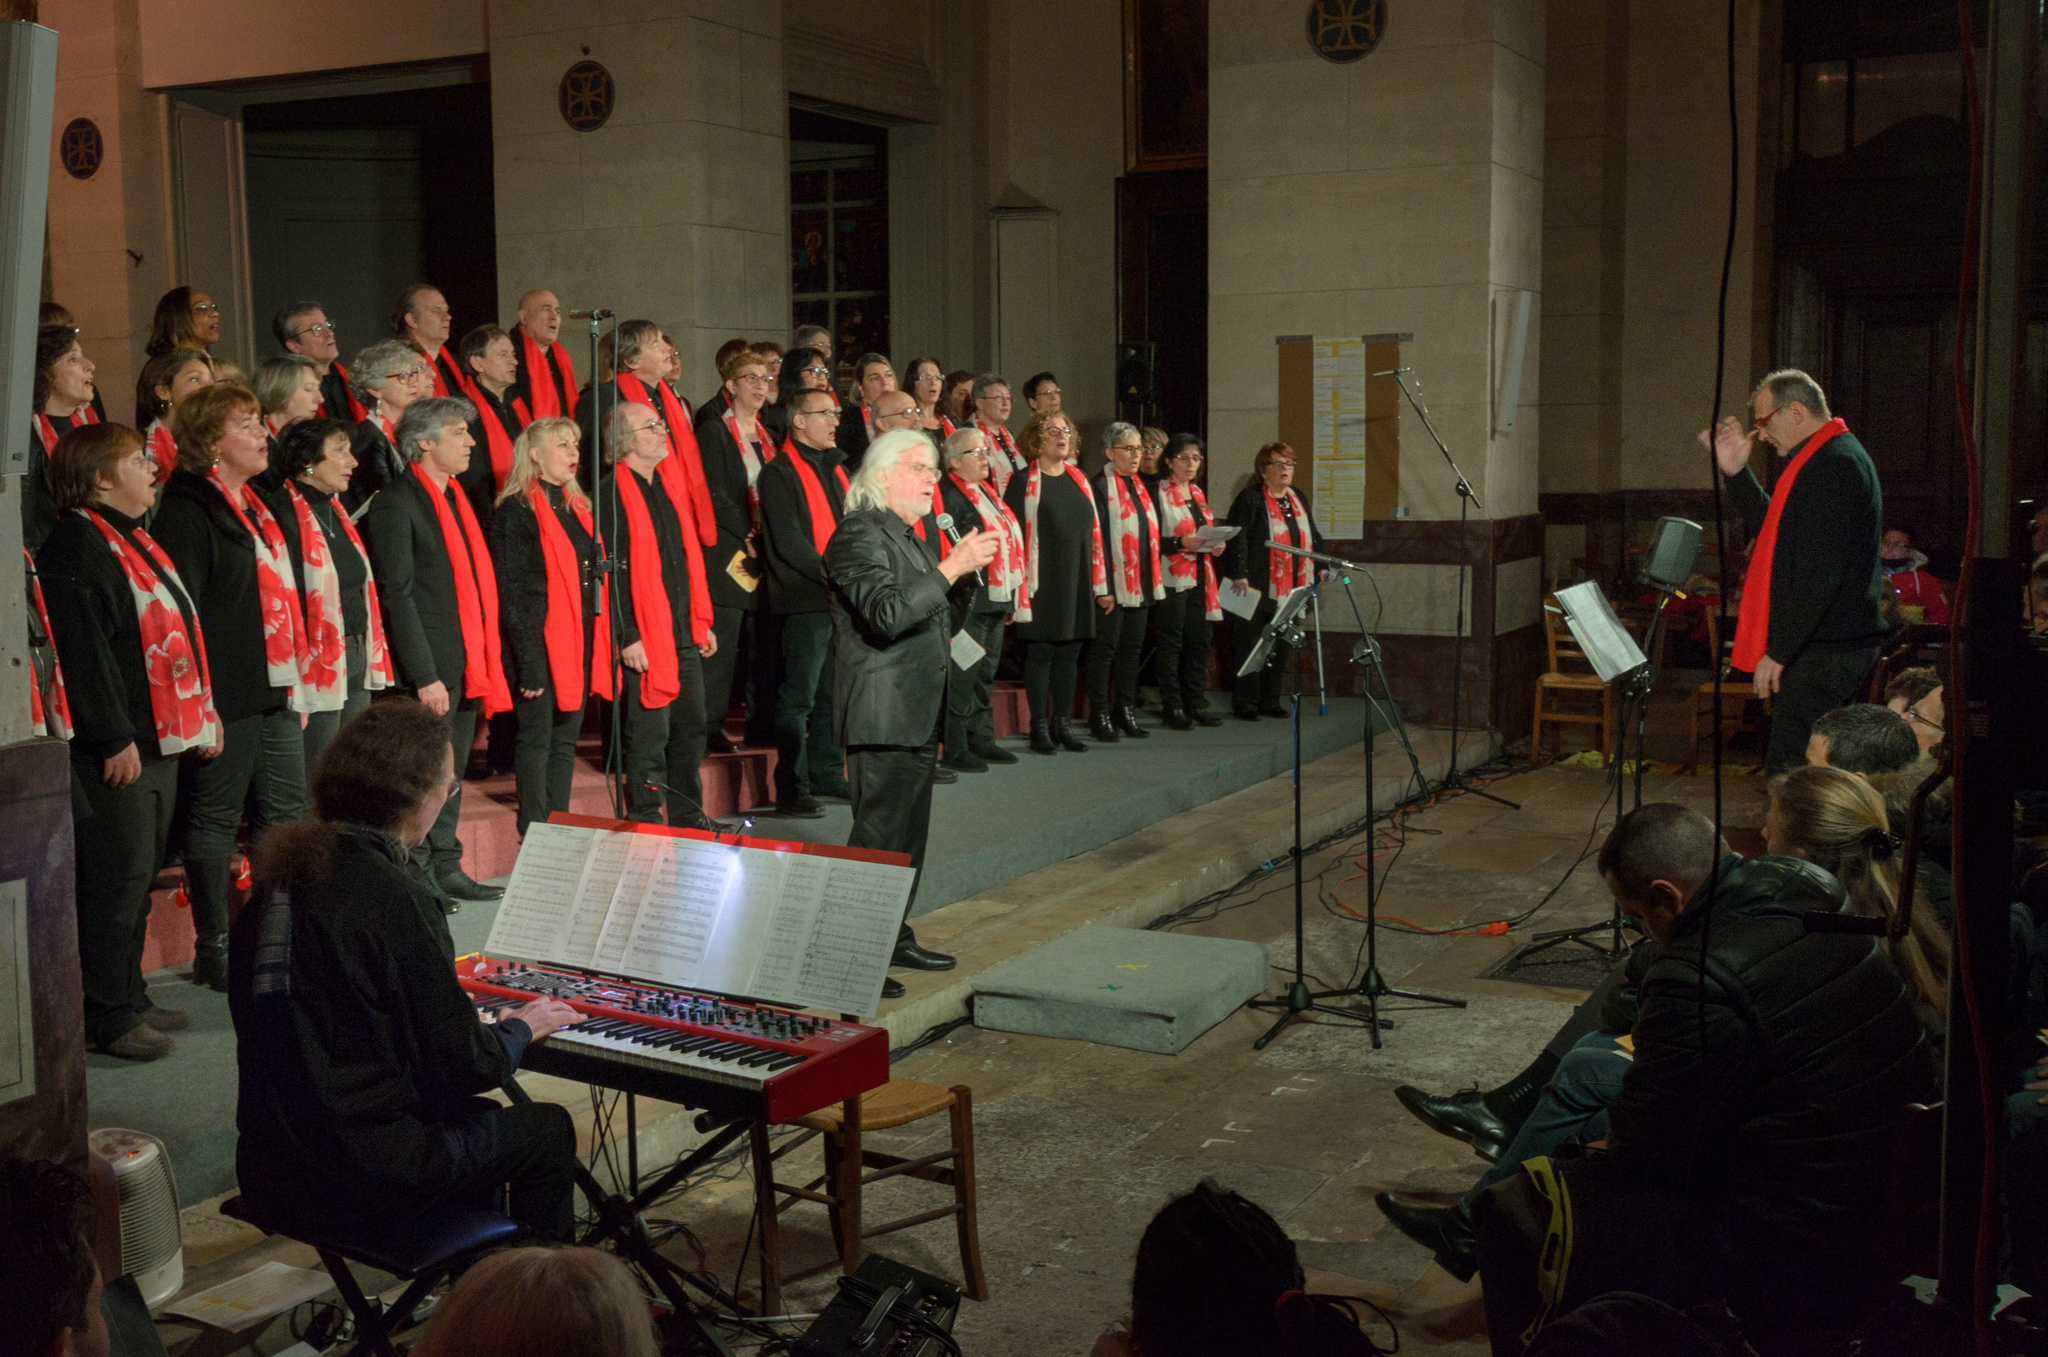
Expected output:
(1186, 510)
(162, 447)
(46, 428)
(54, 716)
(325, 672)
(1004, 461)
(277, 593)
(1126, 508)
(1286, 572)
(180, 686)
(1006, 571)
(1096, 574)
(754, 457)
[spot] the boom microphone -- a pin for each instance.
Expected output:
(1388, 373)
(601, 313)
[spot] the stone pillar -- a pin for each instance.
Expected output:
(1399, 194)
(677, 208)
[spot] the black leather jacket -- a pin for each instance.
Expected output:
(891, 631)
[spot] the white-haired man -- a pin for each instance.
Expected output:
(891, 650)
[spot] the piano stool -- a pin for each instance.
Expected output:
(897, 1103)
(422, 1251)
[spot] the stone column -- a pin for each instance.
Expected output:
(1399, 194)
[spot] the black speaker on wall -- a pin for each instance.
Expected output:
(1673, 549)
(1134, 377)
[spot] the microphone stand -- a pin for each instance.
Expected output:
(746, 821)
(1467, 499)
(611, 563)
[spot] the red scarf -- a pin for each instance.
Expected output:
(1286, 572)
(1004, 461)
(325, 671)
(449, 379)
(55, 719)
(46, 430)
(355, 413)
(550, 378)
(180, 685)
(499, 438)
(568, 667)
(1006, 571)
(1097, 576)
(476, 600)
(1184, 513)
(1753, 623)
(163, 448)
(683, 468)
(1125, 509)
(823, 520)
(660, 682)
(277, 593)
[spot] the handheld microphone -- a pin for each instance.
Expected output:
(1388, 373)
(599, 313)
(746, 821)
(945, 522)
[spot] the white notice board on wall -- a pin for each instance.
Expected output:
(1339, 463)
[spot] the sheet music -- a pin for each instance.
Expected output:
(789, 927)
(676, 919)
(534, 920)
(615, 895)
(733, 957)
(847, 957)
(1609, 647)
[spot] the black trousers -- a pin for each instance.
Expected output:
(1051, 668)
(1113, 657)
(727, 625)
(1183, 657)
(892, 805)
(1262, 689)
(760, 673)
(543, 756)
(120, 844)
(970, 725)
(527, 1150)
(807, 756)
(442, 850)
(322, 725)
(265, 754)
(1812, 686)
(665, 744)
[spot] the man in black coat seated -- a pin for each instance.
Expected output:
(361, 1059)
(891, 648)
(1747, 1144)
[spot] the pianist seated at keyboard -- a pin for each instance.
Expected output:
(361, 1058)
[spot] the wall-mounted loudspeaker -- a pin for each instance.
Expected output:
(1134, 383)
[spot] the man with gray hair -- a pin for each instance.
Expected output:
(438, 593)
(992, 416)
(1809, 626)
(891, 650)
(303, 328)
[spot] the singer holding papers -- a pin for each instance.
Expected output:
(891, 650)
(1269, 511)
(982, 604)
(1190, 609)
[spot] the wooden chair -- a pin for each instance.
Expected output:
(847, 1173)
(1570, 672)
(1736, 695)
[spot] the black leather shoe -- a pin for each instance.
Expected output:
(1042, 741)
(457, 884)
(989, 753)
(1201, 716)
(1272, 709)
(838, 791)
(695, 820)
(910, 956)
(942, 775)
(1100, 726)
(1176, 719)
(716, 743)
(966, 761)
(1245, 713)
(892, 988)
(1069, 741)
(210, 972)
(1127, 724)
(1462, 1116)
(801, 808)
(1444, 1230)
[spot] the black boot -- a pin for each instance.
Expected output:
(1100, 727)
(207, 890)
(1042, 738)
(1202, 716)
(1127, 722)
(1176, 719)
(1069, 741)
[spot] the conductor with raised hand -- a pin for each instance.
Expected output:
(1809, 625)
(891, 634)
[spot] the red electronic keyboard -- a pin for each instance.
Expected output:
(731, 1058)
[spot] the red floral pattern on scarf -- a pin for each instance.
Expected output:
(1126, 507)
(277, 592)
(180, 686)
(39, 712)
(325, 671)
(1185, 513)
(1286, 572)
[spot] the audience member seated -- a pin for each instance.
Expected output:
(360, 1058)
(50, 1306)
(1770, 1067)
(1916, 694)
(542, 1303)
(1862, 738)
(1917, 592)
(1216, 1276)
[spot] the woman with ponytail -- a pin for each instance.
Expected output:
(1837, 821)
(1217, 1277)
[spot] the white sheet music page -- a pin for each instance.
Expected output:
(614, 897)
(788, 929)
(691, 880)
(733, 957)
(533, 922)
(847, 957)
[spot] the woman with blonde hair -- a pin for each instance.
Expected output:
(542, 1303)
(1066, 579)
(552, 611)
(1837, 821)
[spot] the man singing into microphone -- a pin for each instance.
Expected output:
(891, 634)
(1809, 625)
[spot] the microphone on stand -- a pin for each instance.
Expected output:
(746, 821)
(598, 313)
(1388, 373)
(945, 522)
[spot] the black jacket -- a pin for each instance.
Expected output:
(891, 631)
(796, 572)
(1768, 1091)
(334, 395)
(968, 595)
(348, 1078)
(216, 557)
(725, 475)
(1246, 557)
(98, 640)
(853, 438)
(38, 510)
(523, 586)
(479, 480)
(416, 586)
(377, 465)
(1825, 583)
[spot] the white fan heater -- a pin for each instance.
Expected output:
(152, 1251)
